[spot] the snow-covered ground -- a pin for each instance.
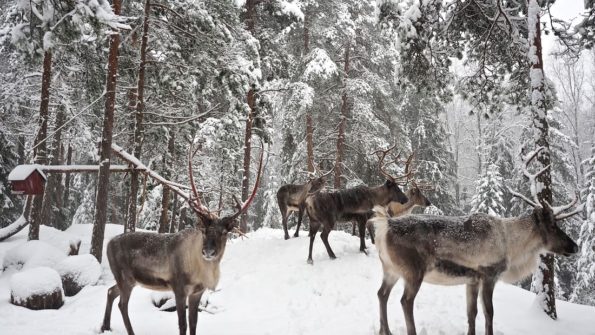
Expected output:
(266, 287)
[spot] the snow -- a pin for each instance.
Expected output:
(266, 287)
(21, 172)
(32, 254)
(83, 269)
(37, 281)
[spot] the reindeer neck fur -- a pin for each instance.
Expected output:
(398, 209)
(524, 244)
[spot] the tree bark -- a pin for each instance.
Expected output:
(40, 141)
(543, 282)
(51, 196)
(182, 222)
(309, 125)
(106, 143)
(167, 161)
(67, 177)
(172, 223)
(342, 122)
(138, 123)
(251, 99)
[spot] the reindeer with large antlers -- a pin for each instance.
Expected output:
(476, 250)
(186, 262)
(292, 198)
(326, 208)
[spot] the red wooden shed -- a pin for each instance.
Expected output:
(27, 179)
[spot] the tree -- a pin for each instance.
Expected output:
(489, 194)
(106, 144)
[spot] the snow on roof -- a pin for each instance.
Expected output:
(21, 172)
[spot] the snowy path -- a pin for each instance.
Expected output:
(267, 288)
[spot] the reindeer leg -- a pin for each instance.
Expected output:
(193, 301)
(383, 293)
(362, 235)
(472, 292)
(370, 227)
(284, 215)
(181, 309)
(125, 291)
(352, 228)
(314, 226)
(411, 289)
(112, 293)
(324, 236)
(487, 292)
(300, 216)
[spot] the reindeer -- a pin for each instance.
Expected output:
(186, 262)
(292, 198)
(395, 209)
(326, 208)
(475, 250)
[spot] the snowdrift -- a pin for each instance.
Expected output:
(267, 288)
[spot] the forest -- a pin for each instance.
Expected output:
(138, 113)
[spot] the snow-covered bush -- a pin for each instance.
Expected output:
(38, 288)
(77, 272)
(32, 254)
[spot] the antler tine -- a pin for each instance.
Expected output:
(533, 176)
(558, 211)
(194, 199)
(520, 196)
(381, 154)
(408, 171)
(246, 204)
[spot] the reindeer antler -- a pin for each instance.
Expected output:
(381, 154)
(247, 203)
(557, 211)
(194, 198)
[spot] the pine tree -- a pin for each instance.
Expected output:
(9, 203)
(489, 193)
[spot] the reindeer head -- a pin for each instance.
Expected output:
(316, 184)
(215, 229)
(392, 183)
(545, 218)
(416, 196)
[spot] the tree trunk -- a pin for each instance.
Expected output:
(172, 223)
(51, 196)
(167, 161)
(342, 122)
(480, 146)
(138, 123)
(543, 282)
(65, 200)
(40, 141)
(309, 125)
(182, 222)
(106, 143)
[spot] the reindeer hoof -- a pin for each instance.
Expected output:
(287, 237)
(333, 257)
(105, 328)
(384, 332)
(296, 235)
(364, 251)
(310, 261)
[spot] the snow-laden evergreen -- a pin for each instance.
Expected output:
(489, 193)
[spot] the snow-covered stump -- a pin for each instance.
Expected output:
(32, 254)
(37, 288)
(77, 272)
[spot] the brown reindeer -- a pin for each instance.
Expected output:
(291, 198)
(395, 209)
(476, 250)
(326, 208)
(186, 262)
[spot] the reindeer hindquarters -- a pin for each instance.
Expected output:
(193, 302)
(112, 293)
(472, 293)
